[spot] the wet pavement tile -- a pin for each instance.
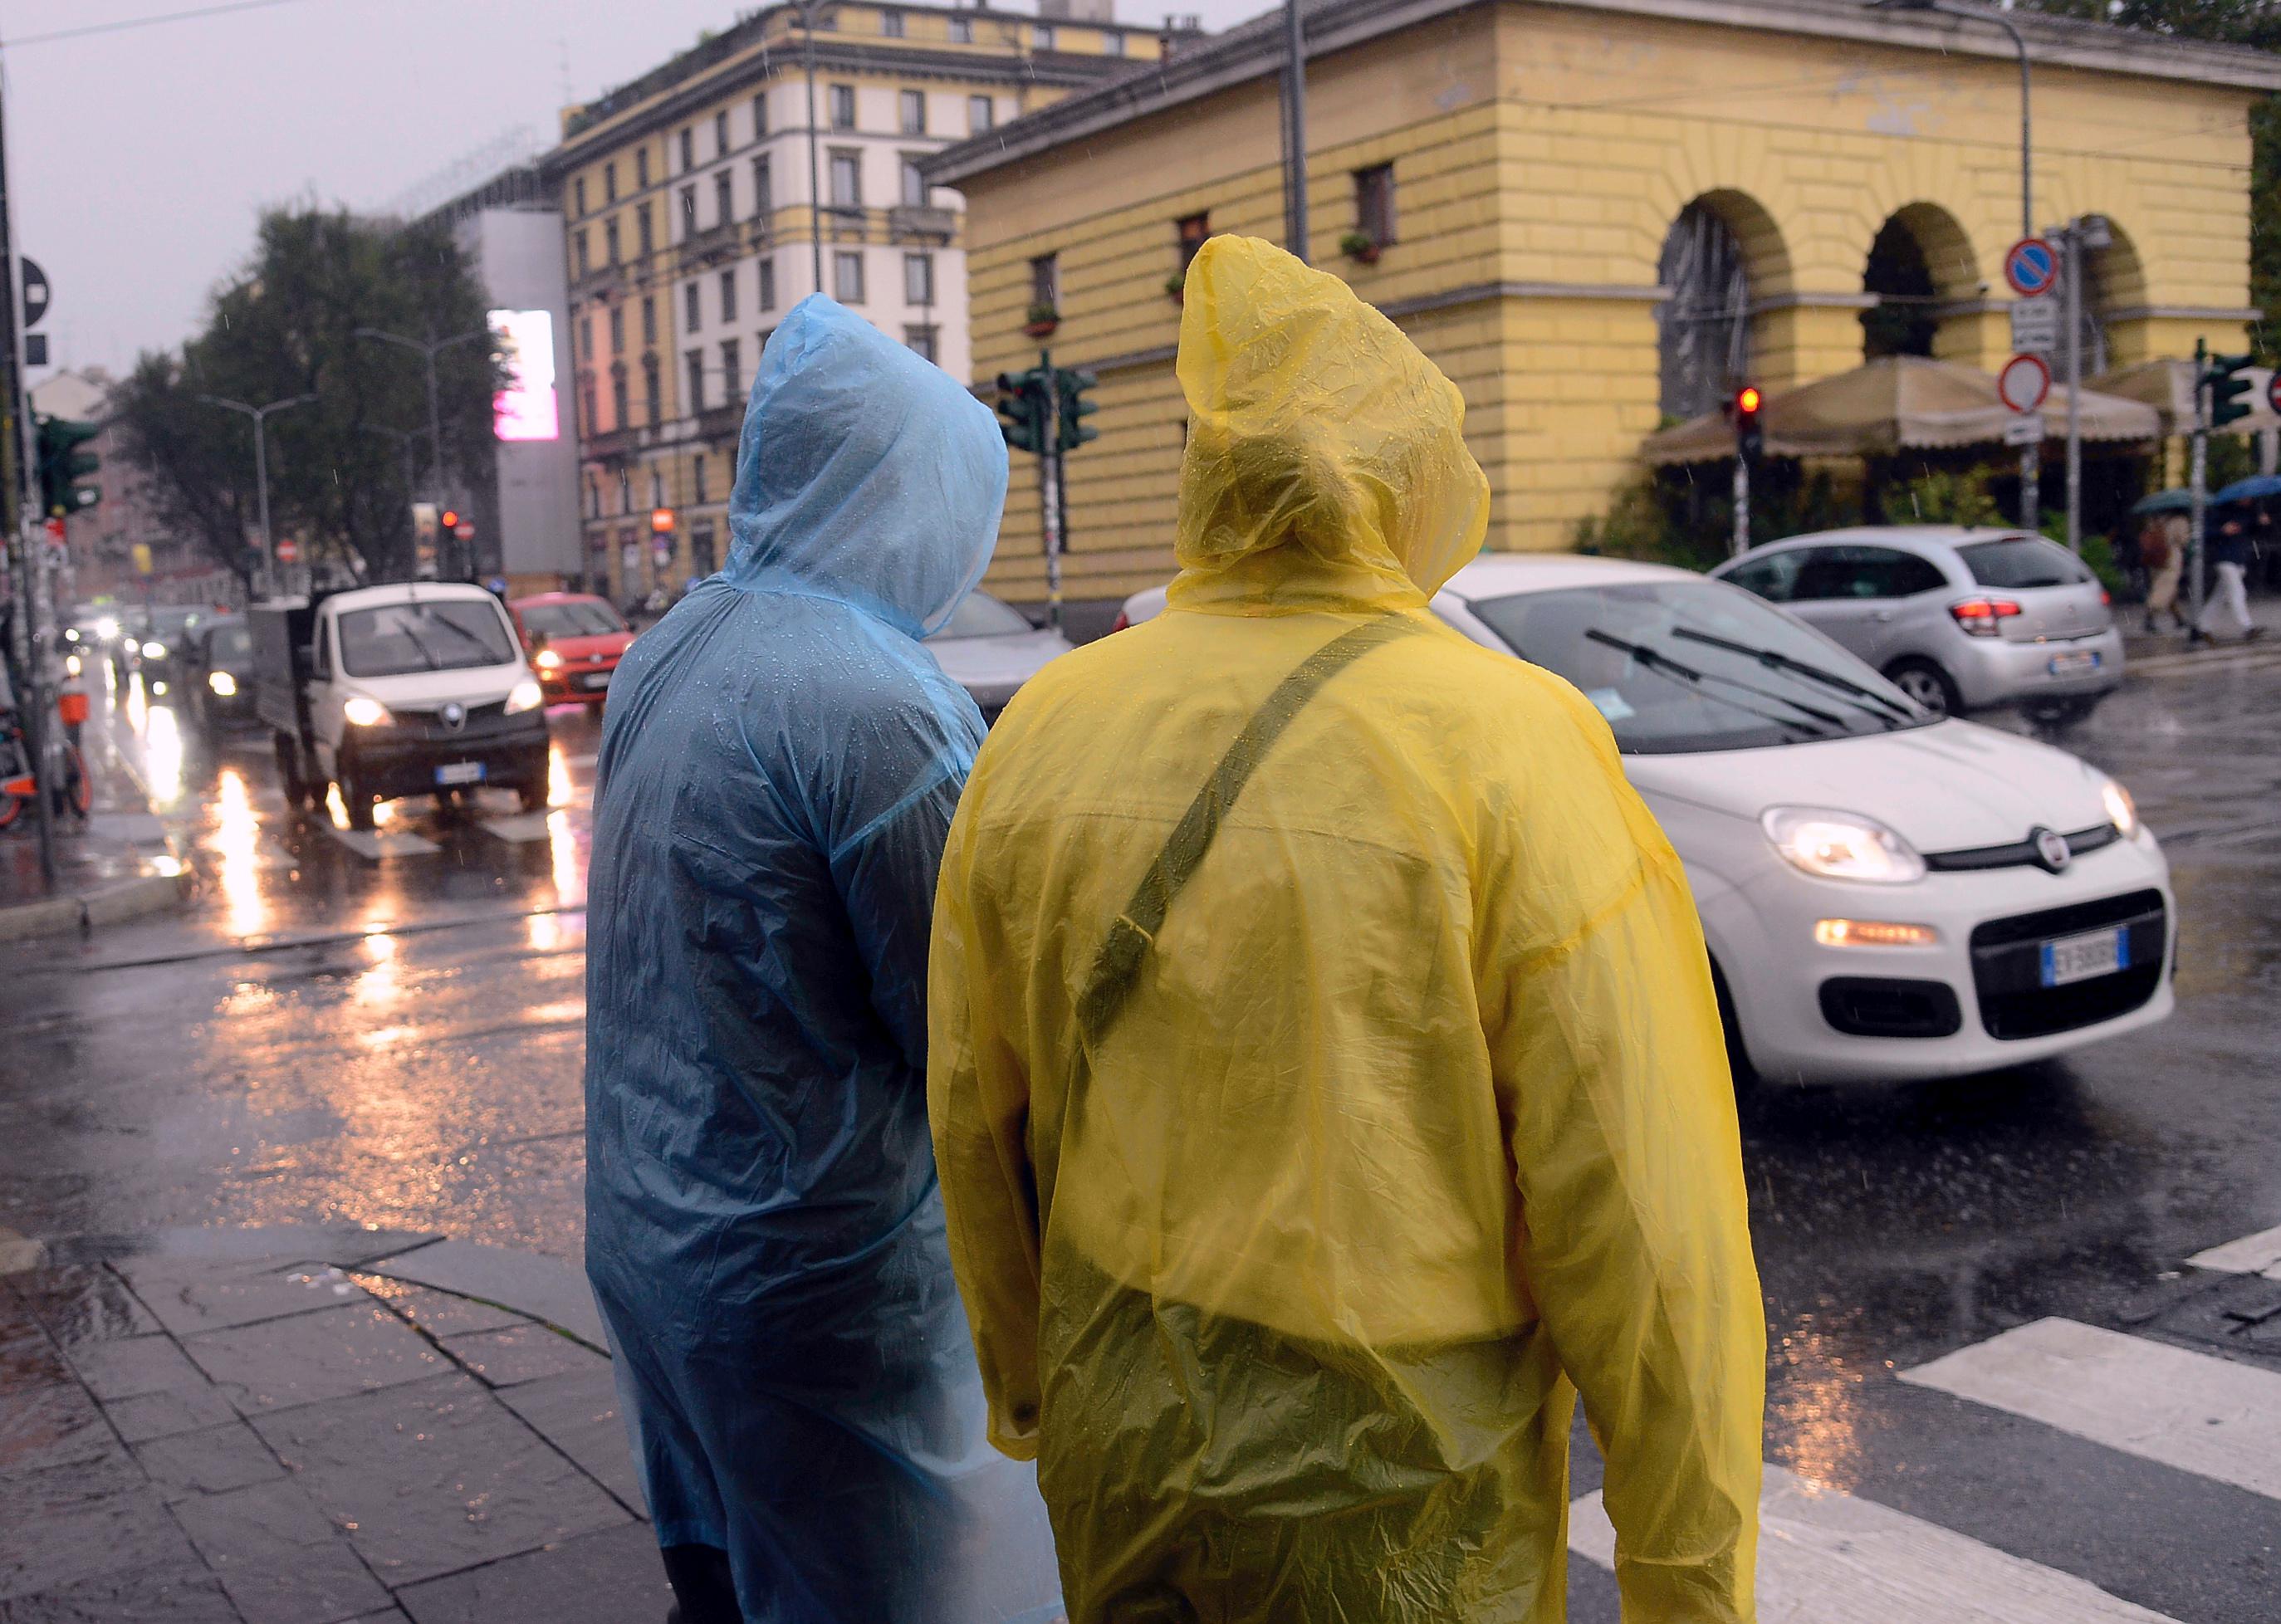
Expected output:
(181, 1592)
(50, 1424)
(188, 1297)
(128, 1367)
(280, 1559)
(28, 1356)
(162, 1415)
(81, 1302)
(73, 1524)
(308, 1359)
(436, 1476)
(578, 1413)
(614, 1577)
(440, 1313)
(212, 1460)
(523, 1353)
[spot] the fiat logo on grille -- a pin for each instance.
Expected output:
(455, 717)
(2052, 850)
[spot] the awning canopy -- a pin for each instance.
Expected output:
(1895, 403)
(2168, 387)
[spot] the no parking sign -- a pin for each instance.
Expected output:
(2032, 268)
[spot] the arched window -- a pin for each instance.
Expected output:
(1704, 323)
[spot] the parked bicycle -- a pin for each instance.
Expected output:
(20, 776)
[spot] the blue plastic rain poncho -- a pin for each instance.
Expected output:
(764, 1231)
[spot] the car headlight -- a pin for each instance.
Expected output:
(70, 665)
(2122, 811)
(525, 697)
(106, 629)
(1841, 845)
(154, 651)
(71, 634)
(547, 660)
(362, 712)
(223, 684)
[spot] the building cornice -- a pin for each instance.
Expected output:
(1255, 51)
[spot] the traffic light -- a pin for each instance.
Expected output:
(1072, 431)
(62, 465)
(1750, 435)
(450, 520)
(1026, 410)
(2227, 387)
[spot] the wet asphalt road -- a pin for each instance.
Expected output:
(333, 1035)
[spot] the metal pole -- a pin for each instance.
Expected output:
(2071, 267)
(1049, 489)
(261, 484)
(814, 183)
(1741, 504)
(1295, 131)
(23, 538)
(2198, 483)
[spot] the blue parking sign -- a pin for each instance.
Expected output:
(2032, 268)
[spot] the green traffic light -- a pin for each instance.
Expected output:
(1072, 386)
(1023, 410)
(60, 464)
(2227, 388)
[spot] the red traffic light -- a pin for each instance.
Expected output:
(450, 519)
(1747, 399)
(660, 521)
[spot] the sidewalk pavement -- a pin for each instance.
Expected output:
(302, 1427)
(116, 864)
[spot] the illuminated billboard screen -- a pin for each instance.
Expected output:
(525, 410)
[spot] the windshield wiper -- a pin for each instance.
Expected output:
(1656, 660)
(426, 657)
(491, 656)
(1868, 699)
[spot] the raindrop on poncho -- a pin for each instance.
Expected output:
(1311, 1140)
(764, 1230)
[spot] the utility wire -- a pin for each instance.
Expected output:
(128, 23)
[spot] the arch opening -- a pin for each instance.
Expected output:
(1722, 254)
(1919, 264)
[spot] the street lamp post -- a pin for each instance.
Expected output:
(428, 349)
(815, 185)
(261, 416)
(1295, 131)
(2032, 453)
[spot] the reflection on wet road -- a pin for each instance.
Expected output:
(386, 1029)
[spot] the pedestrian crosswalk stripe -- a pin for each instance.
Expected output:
(1827, 1557)
(2257, 1254)
(2146, 1398)
(374, 844)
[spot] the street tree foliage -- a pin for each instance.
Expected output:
(287, 325)
(2255, 23)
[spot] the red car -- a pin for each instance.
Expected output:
(575, 642)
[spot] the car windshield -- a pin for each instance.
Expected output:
(981, 616)
(229, 643)
(2019, 562)
(441, 635)
(1681, 666)
(579, 617)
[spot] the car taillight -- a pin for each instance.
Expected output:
(1123, 621)
(2105, 599)
(1978, 616)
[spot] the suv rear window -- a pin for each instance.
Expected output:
(2023, 561)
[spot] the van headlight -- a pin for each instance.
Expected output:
(525, 696)
(224, 685)
(1841, 845)
(2122, 811)
(154, 651)
(363, 712)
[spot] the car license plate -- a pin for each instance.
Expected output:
(599, 679)
(2075, 665)
(2079, 958)
(460, 772)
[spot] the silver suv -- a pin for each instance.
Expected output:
(1959, 619)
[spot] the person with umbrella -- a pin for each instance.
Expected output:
(2229, 553)
(2163, 529)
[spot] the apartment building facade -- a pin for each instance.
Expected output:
(704, 199)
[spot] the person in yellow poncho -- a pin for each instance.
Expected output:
(1324, 1069)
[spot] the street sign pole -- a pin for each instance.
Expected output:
(1050, 509)
(2072, 268)
(2032, 267)
(1741, 505)
(2198, 481)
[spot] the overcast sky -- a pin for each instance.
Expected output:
(138, 158)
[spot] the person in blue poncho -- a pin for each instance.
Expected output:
(764, 1231)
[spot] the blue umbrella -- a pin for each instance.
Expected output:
(2257, 488)
(2163, 501)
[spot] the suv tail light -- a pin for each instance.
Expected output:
(1123, 621)
(1980, 616)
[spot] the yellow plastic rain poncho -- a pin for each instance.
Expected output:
(1324, 1072)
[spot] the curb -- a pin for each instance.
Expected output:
(127, 899)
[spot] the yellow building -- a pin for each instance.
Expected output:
(1599, 214)
(692, 227)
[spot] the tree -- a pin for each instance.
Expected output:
(288, 325)
(2254, 23)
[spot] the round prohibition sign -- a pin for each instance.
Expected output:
(2025, 382)
(2032, 266)
(2273, 393)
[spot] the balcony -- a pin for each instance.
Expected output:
(599, 282)
(614, 446)
(720, 422)
(719, 242)
(913, 219)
